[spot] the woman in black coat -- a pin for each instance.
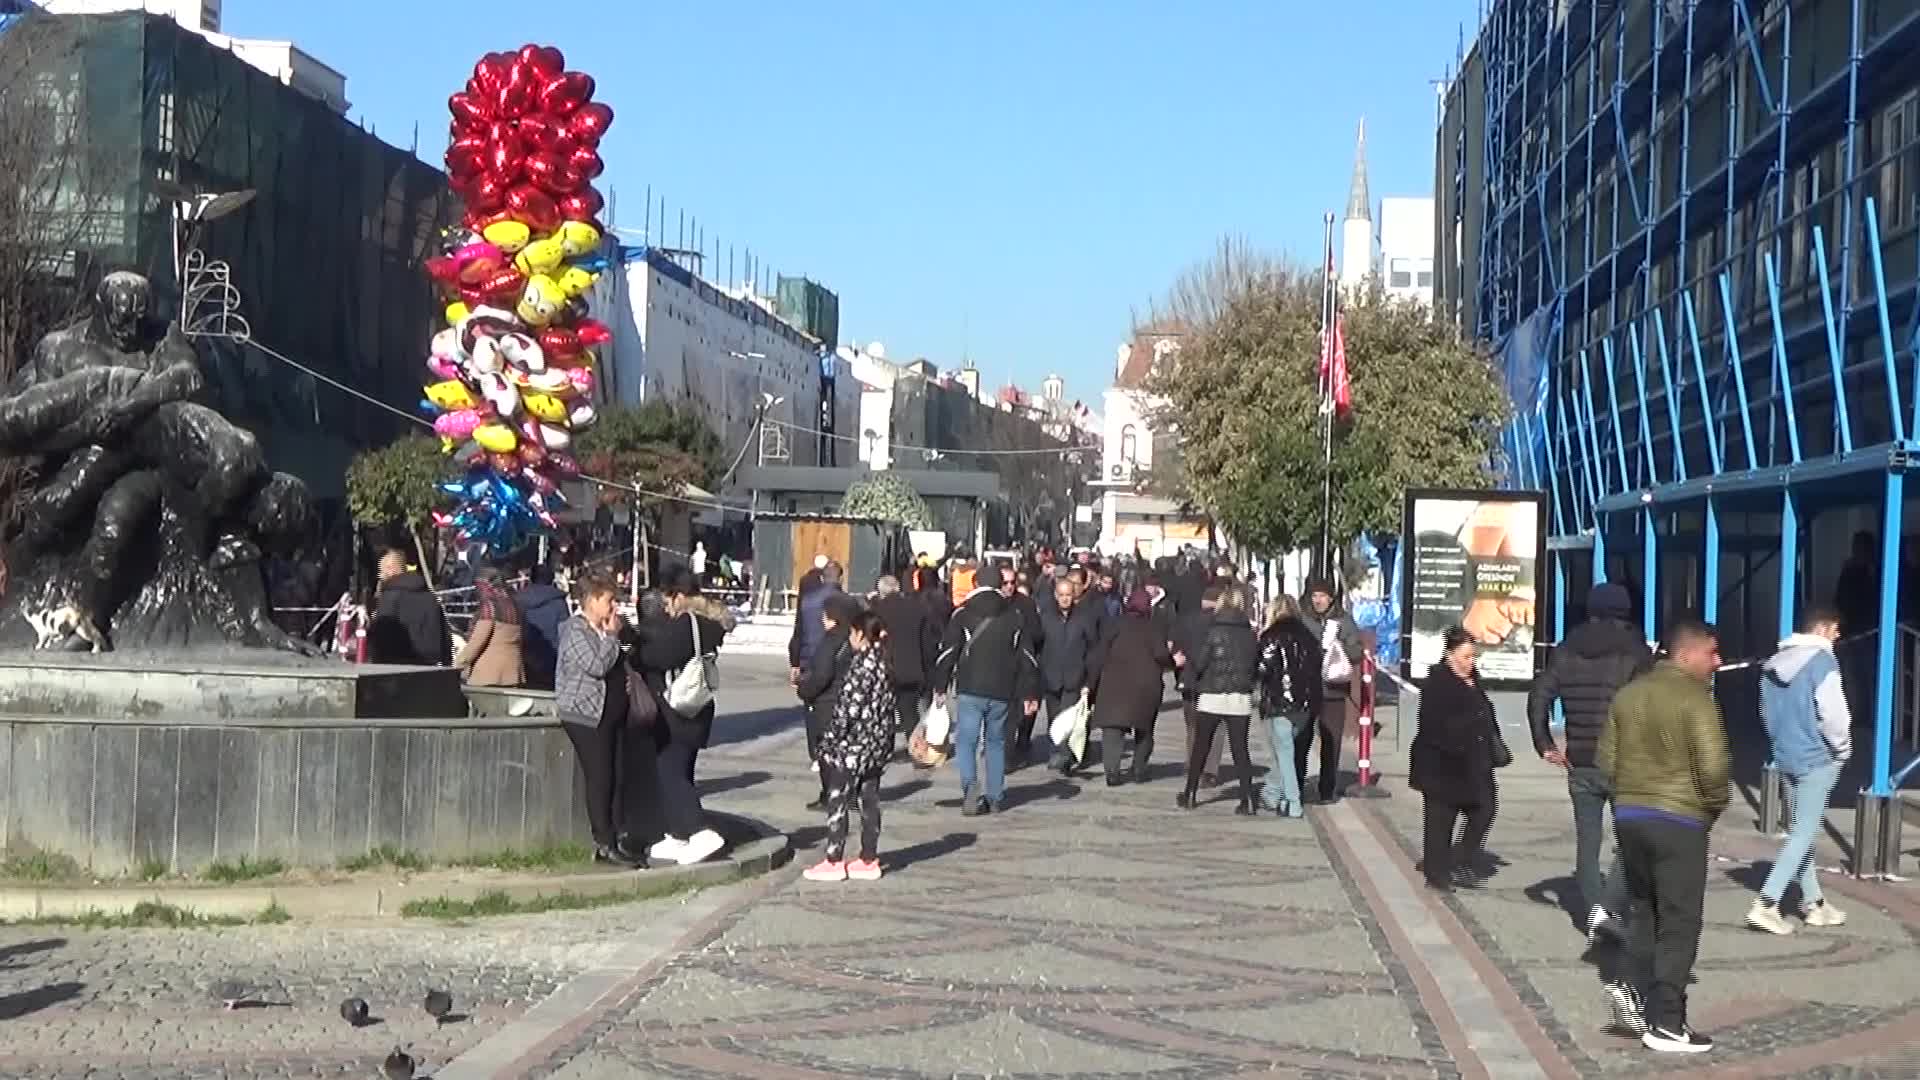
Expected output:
(1224, 664)
(662, 645)
(1452, 763)
(1127, 685)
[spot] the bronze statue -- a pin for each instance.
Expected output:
(148, 525)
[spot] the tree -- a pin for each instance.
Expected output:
(1244, 395)
(658, 446)
(888, 496)
(398, 487)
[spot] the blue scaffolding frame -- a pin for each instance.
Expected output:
(1742, 370)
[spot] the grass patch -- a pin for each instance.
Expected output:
(40, 866)
(153, 870)
(150, 915)
(242, 869)
(551, 857)
(384, 857)
(499, 903)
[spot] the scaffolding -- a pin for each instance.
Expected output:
(1688, 229)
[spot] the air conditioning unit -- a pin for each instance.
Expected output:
(1121, 472)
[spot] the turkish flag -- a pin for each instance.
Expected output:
(1337, 388)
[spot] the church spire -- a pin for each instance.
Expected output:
(1359, 201)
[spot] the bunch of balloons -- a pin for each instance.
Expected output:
(511, 377)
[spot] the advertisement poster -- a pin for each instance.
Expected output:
(1471, 559)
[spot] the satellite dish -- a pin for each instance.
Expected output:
(877, 350)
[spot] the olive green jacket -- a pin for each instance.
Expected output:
(1664, 746)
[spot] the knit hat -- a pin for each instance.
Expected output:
(1609, 600)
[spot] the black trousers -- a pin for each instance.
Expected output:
(1440, 852)
(1332, 725)
(818, 714)
(908, 702)
(843, 790)
(1204, 726)
(681, 815)
(619, 774)
(1666, 865)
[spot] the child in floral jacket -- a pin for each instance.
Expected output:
(854, 751)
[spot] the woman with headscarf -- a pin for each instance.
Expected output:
(1127, 683)
(1452, 763)
(493, 653)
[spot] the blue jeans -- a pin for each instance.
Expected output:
(1282, 789)
(974, 717)
(1796, 859)
(1591, 793)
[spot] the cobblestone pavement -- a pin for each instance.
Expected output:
(1832, 1003)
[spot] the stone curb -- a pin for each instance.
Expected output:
(767, 851)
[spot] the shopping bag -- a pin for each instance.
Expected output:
(937, 723)
(1069, 728)
(927, 746)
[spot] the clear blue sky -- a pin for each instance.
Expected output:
(1008, 180)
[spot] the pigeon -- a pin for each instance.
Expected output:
(438, 1004)
(354, 1011)
(398, 1066)
(235, 994)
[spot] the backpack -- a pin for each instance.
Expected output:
(692, 687)
(1285, 665)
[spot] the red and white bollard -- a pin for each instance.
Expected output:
(1367, 786)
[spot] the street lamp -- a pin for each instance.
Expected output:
(192, 209)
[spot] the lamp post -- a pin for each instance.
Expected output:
(190, 210)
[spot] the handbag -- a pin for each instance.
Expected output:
(643, 709)
(1497, 742)
(692, 687)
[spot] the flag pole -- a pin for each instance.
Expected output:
(1323, 556)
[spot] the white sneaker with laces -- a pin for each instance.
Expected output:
(1600, 923)
(1825, 914)
(1681, 1040)
(699, 846)
(667, 850)
(1765, 916)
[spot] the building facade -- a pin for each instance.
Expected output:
(1406, 248)
(1132, 517)
(1688, 230)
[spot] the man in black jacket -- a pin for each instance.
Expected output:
(987, 659)
(1597, 658)
(544, 607)
(1068, 646)
(819, 687)
(1018, 589)
(408, 625)
(913, 640)
(1189, 637)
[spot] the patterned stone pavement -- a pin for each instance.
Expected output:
(1833, 1003)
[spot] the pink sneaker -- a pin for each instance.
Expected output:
(864, 869)
(826, 870)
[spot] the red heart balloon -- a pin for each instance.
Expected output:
(506, 161)
(582, 205)
(534, 207)
(506, 463)
(475, 271)
(504, 282)
(563, 94)
(541, 166)
(443, 269)
(518, 96)
(559, 344)
(590, 123)
(492, 71)
(467, 155)
(538, 129)
(592, 332)
(487, 193)
(544, 59)
(468, 111)
(555, 177)
(584, 161)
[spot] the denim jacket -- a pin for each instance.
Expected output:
(1804, 706)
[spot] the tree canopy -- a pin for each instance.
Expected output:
(888, 496)
(660, 446)
(398, 484)
(1243, 396)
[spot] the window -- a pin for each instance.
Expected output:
(1129, 444)
(1400, 274)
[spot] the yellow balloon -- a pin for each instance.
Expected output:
(539, 257)
(573, 281)
(578, 238)
(457, 313)
(496, 438)
(450, 395)
(508, 236)
(540, 301)
(545, 407)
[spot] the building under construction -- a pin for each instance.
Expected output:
(1688, 229)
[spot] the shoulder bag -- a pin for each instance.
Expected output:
(692, 687)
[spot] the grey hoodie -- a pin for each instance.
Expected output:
(1829, 696)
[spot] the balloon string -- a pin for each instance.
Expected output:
(424, 422)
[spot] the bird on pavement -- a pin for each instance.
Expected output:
(354, 1011)
(398, 1066)
(438, 1004)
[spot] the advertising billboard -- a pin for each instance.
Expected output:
(1472, 558)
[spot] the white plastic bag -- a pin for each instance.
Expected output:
(1069, 728)
(1335, 667)
(939, 724)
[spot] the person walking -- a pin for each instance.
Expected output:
(493, 654)
(1597, 658)
(1664, 750)
(1016, 587)
(1069, 649)
(854, 752)
(1128, 684)
(543, 607)
(911, 644)
(666, 643)
(1451, 764)
(808, 631)
(1342, 652)
(1224, 664)
(827, 668)
(408, 626)
(1189, 634)
(1291, 696)
(591, 695)
(985, 657)
(1804, 707)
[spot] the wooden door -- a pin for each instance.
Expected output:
(814, 538)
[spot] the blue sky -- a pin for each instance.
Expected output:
(1005, 181)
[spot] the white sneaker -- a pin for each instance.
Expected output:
(1681, 1040)
(1825, 914)
(1765, 916)
(1600, 923)
(699, 847)
(668, 849)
